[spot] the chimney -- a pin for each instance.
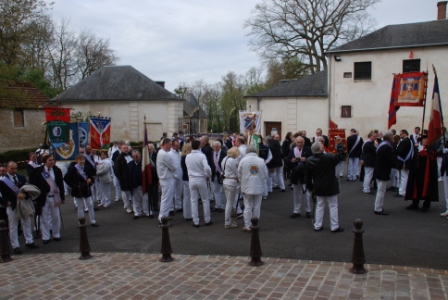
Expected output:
(441, 10)
(162, 83)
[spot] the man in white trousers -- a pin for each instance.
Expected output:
(166, 169)
(177, 183)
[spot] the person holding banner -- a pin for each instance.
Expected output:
(80, 178)
(10, 185)
(48, 178)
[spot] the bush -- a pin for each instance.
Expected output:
(19, 156)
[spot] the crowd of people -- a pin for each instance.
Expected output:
(187, 172)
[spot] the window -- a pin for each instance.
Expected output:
(346, 111)
(18, 118)
(411, 65)
(363, 70)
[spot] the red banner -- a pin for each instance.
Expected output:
(412, 91)
(57, 114)
(99, 132)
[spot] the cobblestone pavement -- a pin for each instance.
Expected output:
(142, 276)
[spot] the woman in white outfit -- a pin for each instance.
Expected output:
(104, 172)
(229, 166)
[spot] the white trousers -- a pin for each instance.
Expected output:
(139, 205)
(353, 168)
(439, 164)
(187, 200)
(177, 193)
(105, 193)
(252, 205)
(333, 208)
(50, 218)
(117, 188)
(198, 187)
(97, 188)
(13, 223)
(340, 169)
(237, 204)
(299, 195)
(127, 198)
(445, 189)
(381, 190)
(166, 199)
(89, 202)
(230, 191)
(276, 174)
(368, 175)
(218, 191)
(404, 174)
(394, 181)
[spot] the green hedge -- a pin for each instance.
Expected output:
(17, 156)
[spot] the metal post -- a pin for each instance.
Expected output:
(358, 258)
(166, 244)
(84, 246)
(255, 248)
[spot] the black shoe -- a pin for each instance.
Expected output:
(340, 229)
(179, 210)
(57, 239)
(308, 214)
(319, 229)
(151, 216)
(412, 207)
(276, 188)
(136, 217)
(155, 209)
(382, 213)
(196, 225)
(294, 215)
(95, 225)
(209, 223)
(188, 219)
(32, 246)
(36, 235)
(221, 210)
(282, 191)
(172, 213)
(392, 188)
(17, 250)
(398, 195)
(214, 209)
(96, 209)
(45, 241)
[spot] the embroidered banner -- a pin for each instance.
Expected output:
(57, 114)
(413, 87)
(69, 150)
(250, 121)
(83, 133)
(332, 134)
(58, 133)
(99, 132)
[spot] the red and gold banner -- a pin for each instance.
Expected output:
(99, 132)
(334, 132)
(57, 114)
(412, 90)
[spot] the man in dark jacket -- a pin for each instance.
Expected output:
(403, 161)
(153, 187)
(368, 161)
(266, 155)
(121, 171)
(296, 160)
(354, 150)
(321, 180)
(139, 203)
(275, 166)
(384, 162)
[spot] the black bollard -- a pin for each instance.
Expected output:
(5, 248)
(166, 244)
(84, 246)
(358, 258)
(255, 249)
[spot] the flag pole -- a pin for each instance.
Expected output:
(441, 113)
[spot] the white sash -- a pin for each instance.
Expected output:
(382, 144)
(356, 144)
(10, 184)
(53, 187)
(81, 172)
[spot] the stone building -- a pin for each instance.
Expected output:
(127, 96)
(23, 118)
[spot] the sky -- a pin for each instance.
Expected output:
(183, 41)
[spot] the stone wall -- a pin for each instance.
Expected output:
(28, 136)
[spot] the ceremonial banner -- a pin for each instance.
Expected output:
(393, 108)
(332, 134)
(57, 114)
(69, 150)
(99, 132)
(435, 119)
(255, 141)
(58, 133)
(250, 121)
(413, 87)
(146, 163)
(84, 128)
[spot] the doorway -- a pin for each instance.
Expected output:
(269, 126)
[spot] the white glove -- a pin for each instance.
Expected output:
(445, 150)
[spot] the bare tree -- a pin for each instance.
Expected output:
(305, 29)
(93, 53)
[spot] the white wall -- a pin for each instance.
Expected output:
(370, 98)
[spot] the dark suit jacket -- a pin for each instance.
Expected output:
(79, 186)
(326, 141)
(384, 162)
(154, 177)
(306, 152)
(208, 151)
(121, 171)
(220, 158)
(9, 195)
(92, 166)
(38, 180)
(352, 150)
(369, 154)
(402, 151)
(307, 142)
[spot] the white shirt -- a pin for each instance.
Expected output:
(230, 169)
(175, 156)
(242, 149)
(165, 166)
(197, 165)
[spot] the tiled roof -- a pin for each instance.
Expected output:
(23, 95)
